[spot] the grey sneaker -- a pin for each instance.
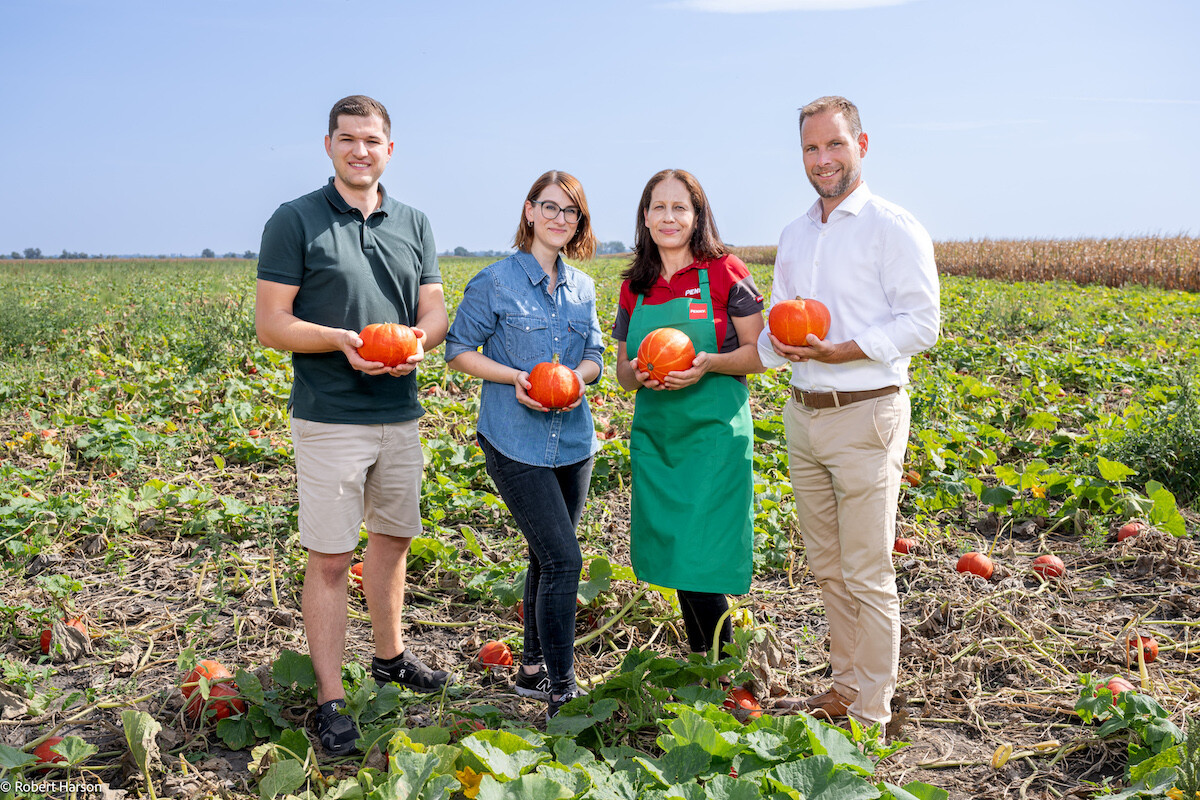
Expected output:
(335, 730)
(410, 672)
(536, 685)
(553, 705)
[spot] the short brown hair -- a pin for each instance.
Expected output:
(583, 244)
(359, 105)
(705, 243)
(835, 104)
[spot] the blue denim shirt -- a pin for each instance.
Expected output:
(507, 310)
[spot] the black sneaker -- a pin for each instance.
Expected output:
(408, 671)
(536, 685)
(553, 706)
(336, 731)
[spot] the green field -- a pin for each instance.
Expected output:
(146, 485)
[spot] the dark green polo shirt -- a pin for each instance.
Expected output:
(351, 272)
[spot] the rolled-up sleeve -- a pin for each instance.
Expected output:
(593, 348)
(780, 290)
(910, 283)
(475, 319)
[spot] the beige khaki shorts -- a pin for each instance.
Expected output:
(349, 475)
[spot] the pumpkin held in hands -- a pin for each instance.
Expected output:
(665, 350)
(793, 320)
(554, 385)
(389, 343)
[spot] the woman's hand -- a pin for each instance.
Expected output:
(701, 364)
(521, 381)
(582, 392)
(644, 377)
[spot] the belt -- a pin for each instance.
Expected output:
(839, 399)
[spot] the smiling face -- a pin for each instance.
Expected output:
(832, 156)
(671, 218)
(360, 150)
(551, 235)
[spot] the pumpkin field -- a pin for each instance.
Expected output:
(148, 524)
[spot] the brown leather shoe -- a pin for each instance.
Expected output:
(826, 705)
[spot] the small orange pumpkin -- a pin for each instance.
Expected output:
(665, 350)
(495, 654)
(47, 636)
(740, 697)
(47, 756)
(793, 320)
(1130, 529)
(1149, 647)
(1116, 684)
(904, 545)
(220, 684)
(389, 343)
(554, 385)
(976, 564)
(1049, 566)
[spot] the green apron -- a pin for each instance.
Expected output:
(691, 523)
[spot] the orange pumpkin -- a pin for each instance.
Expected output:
(47, 636)
(495, 654)
(389, 343)
(47, 756)
(793, 320)
(976, 564)
(356, 574)
(904, 545)
(220, 684)
(739, 697)
(1129, 530)
(1049, 566)
(1116, 685)
(554, 385)
(665, 350)
(1149, 648)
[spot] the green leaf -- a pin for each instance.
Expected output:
(690, 727)
(236, 732)
(568, 724)
(833, 742)
(599, 580)
(998, 497)
(570, 754)
(526, 787)
(1113, 471)
(916, 790)
(679, 765)
(726, 787)
(293, 669)
(283, 778)
(504, 753)
(816, 779)
(1165, 512)
(685, 791)
(12, 758)
(140, 732)
(75, 750)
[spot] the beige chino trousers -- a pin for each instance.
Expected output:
(845, 466)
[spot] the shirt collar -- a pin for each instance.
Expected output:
(854, 203)
(337, 201)
(536, 274)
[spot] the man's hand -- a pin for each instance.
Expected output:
(818, 350)
(349, 342)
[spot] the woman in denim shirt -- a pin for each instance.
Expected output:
(522, 311)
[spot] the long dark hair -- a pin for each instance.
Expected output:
(705, 243)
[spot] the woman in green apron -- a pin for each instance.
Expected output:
(691, 524)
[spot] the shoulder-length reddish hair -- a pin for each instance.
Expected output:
(705, 243)
(583, 244)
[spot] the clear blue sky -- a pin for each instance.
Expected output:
(169, 127)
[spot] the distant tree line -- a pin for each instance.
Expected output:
(32, 253)
(605, 248)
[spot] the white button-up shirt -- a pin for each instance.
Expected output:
(872, 265)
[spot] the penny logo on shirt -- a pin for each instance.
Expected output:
(697, 311)
(692, 292)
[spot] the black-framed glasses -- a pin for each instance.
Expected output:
(551, 209)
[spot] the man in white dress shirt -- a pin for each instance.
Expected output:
(871, 263)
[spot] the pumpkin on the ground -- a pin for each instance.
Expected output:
(976, 564)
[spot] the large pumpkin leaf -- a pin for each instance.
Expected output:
(504, 753)
(526, 787)
(816, 778)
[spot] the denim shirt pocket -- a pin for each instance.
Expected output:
(526, 339)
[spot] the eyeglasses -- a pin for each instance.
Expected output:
(551, 209)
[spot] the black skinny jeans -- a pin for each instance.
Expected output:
(546, 503)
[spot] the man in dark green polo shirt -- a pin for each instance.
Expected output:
(331, 263)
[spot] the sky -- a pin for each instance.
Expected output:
(171, 127)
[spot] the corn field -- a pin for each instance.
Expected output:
(1167, 262)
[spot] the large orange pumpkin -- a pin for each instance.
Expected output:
(554, 385)
(388, 343)
(220, 684)
(665, 350)
(793, 320)
(976, 564)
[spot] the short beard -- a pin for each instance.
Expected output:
(840, 188)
